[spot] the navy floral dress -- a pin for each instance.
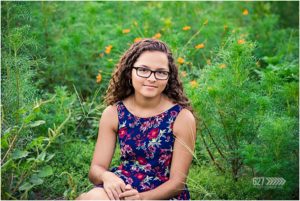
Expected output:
(146, 149)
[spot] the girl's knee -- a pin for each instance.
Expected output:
(81, 197)
(94, 194)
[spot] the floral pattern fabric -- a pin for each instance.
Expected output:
(146, 149)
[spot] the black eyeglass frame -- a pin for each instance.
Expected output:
(151, 71)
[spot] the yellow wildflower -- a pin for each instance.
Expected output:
(108, 49)
(157, 36)
(245, 12)
(185, 28)
(200, 46)
(137, 39)
(193, 83)
(125, 31)
(222, 66)
(180, 60)
(99, 78)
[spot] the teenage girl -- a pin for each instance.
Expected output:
(153, 121)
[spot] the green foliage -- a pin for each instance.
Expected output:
(242, 82)
(25, 155)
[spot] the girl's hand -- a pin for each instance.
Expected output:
(130, 194)
(113, 185)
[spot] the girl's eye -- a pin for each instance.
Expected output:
(162, 72)
(143, 70)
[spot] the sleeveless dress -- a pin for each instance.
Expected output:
(146, 149)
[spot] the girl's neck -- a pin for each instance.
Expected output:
(146, 103)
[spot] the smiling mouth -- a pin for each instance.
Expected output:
(150, 86)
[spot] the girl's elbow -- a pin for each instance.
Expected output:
(178, 184)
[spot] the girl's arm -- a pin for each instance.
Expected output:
(185, 131)
(105, 145)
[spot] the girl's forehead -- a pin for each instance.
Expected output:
(153, 59)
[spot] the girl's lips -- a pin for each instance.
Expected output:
(150, 86)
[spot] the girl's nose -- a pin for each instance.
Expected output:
(152, 77)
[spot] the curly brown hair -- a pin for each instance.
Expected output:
(120, 86)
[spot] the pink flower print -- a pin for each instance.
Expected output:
(163, 178)
(173, 113)
(168, 139)
(153, 133)
(134, 168)
(151, 149)
(140, 176)
(147, 167)
(126, 173)
(122, 115)
(120, 167)
(165, 159)
(168, 161)
(126, 149)
(129, 180)
(145, 187)
(122, 132)
(139, 143)
(141, 160)
(145, 126)
(171, 126)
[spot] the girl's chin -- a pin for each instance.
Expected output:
(149, 94)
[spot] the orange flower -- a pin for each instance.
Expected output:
(193, 83)
(108, 49)
(200, 46)
(180, 60)
(125, 31)
(157, 36)
(245, 12)
(241, 41)
(225, 27)
(185, 28)
(222, 66)
(205, 22)
(183, 73)
(99, 78)
(137, 39)
(208, 61)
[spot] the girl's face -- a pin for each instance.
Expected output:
(150, 73)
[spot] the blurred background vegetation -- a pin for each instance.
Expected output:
(239, 62)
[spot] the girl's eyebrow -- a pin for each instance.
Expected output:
(156, 69)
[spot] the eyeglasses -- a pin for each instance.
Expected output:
(146, 73)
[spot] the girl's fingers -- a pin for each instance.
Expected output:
(128, 194)
(118, 190)
(123, 187)
(109, 194)
(115, 194)
(128, 187)
(131, 198)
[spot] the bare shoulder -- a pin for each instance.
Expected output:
(110, 110)
(109, 117)
(184, 123)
